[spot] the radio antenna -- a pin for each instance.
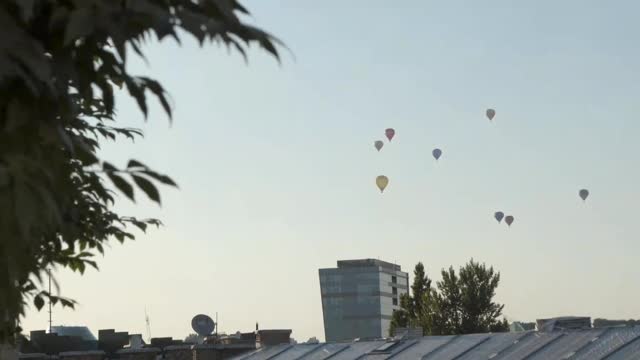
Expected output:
(146, 320)
(50, 306)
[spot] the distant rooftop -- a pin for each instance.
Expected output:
(618, 343)
(367, 263)
(564, 323)
(82, 332)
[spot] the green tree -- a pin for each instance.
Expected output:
(500, 326)
(61, 62)
(410, 304)
(466, 300)
(401, 317)
(448, 303)
(421, 286)
(461, 303)
(431, 317)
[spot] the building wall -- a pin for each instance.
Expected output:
(358, 301)
(389, 281)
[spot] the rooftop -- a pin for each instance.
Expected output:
(367, 263)
(79, 331)
(610, 343)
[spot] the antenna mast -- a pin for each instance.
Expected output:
(146, 319)
(50, 307)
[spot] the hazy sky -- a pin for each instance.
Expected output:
(277, 168)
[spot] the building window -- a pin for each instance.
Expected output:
(395, 301)
(394, 279)
(394, 290)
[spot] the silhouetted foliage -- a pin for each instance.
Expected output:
(500, 326)
(461, 304)
(421, 286)
(400, 318)
(61, 61)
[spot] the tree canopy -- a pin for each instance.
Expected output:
(410, 305)
(461, 303)
(420, 287)
(61, 61)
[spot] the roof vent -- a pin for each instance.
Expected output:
(385, 348)
(564, 323)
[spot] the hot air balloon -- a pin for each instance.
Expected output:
(436, 153)
(378, 144)
(509, 220)
(382, 182)
(390, 133)
(584, 194)
(491, 113)
(498, 215)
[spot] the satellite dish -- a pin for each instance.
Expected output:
(203, 325)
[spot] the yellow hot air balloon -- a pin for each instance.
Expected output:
(382, 182)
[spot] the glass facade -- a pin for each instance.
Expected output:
(358, 301)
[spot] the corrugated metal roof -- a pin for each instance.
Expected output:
(611, 343)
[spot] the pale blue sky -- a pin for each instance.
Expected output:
(276, 164)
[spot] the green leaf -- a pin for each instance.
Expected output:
(135, 163)
(54, 299)
(4, 176)
(29, 287)
(107, 95)
(17, 115)
(160, 93)
(122, 185)
(92, 263)
(138, 94)
(81, 24)
(66, 140)
(106, 166)
(26, 7)
(140, 225)
(148, 188)
(26, 208)
(117, 81)
(48, 204)
(38, 301)
(85, 153)
(155, 222)
(119, 237)
(162, 178)
(67, 303)
(80, 267)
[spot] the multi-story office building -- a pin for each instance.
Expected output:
(358, 298)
